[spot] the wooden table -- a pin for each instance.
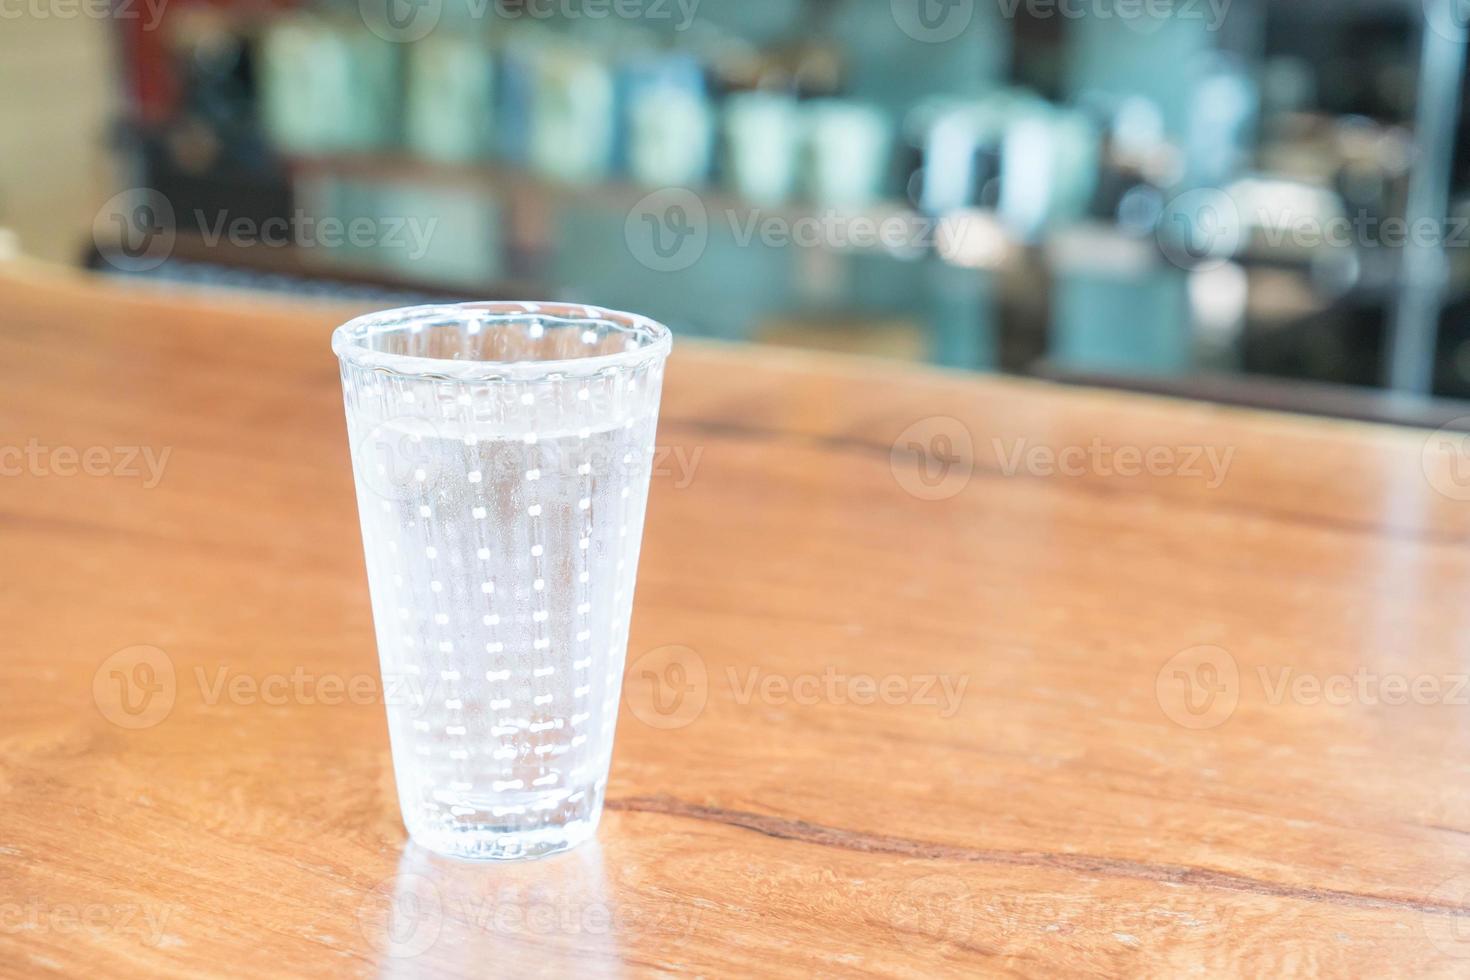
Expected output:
(900, 700)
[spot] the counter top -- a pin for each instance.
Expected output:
(928, 673)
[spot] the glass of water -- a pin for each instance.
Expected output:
(501, 453)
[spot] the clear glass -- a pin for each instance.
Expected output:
(502, 453)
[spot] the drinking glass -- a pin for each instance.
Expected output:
(501, 453)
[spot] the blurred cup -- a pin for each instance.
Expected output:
(763, 133)
(305, 74)
(847, 152)
(327, 87)
(572, 115)
(669, 123)
(451, 92)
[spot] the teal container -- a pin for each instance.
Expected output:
(1130, 324)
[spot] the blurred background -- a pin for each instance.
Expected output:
(1232, 197)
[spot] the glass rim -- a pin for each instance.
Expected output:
(349, 341)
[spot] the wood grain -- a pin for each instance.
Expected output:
(1076, 804)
